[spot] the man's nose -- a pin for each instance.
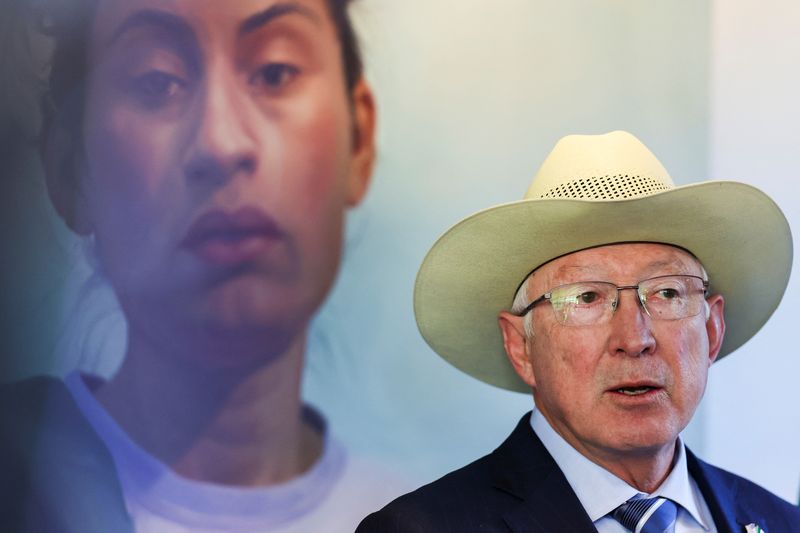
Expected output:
(223, 143)
(631, 326)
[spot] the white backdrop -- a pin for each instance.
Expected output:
(753, 401)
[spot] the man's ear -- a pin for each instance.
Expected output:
(715, 325)
(63, 167)
(515, 343)
(364, 117)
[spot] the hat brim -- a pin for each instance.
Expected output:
(472, 272)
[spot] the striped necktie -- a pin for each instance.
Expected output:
(647, 515)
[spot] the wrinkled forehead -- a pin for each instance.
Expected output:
(621, 263)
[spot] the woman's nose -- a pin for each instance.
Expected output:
(223, 144)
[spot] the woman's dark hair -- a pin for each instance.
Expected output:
(351, 52)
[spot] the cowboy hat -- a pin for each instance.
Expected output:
(594, 190)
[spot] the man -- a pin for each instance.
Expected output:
(621, 281)
(210, 150)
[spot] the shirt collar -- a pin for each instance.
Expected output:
(600, 491)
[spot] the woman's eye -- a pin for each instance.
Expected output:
(157, 88)
(274, 75)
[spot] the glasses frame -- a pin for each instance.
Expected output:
(546, 296)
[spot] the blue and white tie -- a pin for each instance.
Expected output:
(647, 515)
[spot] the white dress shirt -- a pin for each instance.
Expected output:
(601, 492)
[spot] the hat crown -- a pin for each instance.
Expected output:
(614, 166)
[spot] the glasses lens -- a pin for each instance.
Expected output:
(672, 297)
(583, 304)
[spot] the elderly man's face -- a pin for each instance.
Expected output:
(578, 374)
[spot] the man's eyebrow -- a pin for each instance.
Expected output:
(262, 18)
(566, 268)
(168, 22)
(671, 263)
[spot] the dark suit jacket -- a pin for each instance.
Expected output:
(56, 475)
(519, 488)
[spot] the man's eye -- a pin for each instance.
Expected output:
(274, 75)
(668, 294)
(157, 88)
(587, 297)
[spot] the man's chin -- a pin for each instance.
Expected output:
(644, 441)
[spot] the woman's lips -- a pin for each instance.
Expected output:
(231, 239)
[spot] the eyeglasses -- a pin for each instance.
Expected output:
(587, 303)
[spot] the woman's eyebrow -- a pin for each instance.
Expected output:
(279, 9)
(167, 22)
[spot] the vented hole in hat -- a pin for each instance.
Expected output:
(617, 187)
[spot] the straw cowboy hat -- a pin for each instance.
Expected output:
(594, 190)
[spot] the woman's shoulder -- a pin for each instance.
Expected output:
(56, 470)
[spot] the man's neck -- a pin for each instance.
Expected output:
(644, 469)
(234, 427)
(646, 472)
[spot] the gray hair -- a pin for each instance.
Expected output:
(520, 303)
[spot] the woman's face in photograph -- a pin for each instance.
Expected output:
(222, 148)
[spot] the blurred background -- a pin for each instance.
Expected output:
(472, 95)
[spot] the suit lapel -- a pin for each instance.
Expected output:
(729, 512)
(552, 506)
(545, 502)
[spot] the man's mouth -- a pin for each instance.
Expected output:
(634, 391)
(635, 388)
